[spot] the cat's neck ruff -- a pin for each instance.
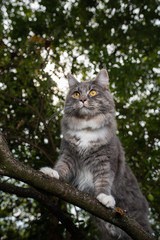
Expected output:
(87, 134)
(95, 122)
(85, 139)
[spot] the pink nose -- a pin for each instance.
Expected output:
(83, 100)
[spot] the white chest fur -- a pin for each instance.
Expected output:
(84, 179)
(85, 138)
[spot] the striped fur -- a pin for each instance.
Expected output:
(92, 157)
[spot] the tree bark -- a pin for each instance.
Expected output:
(68, 193)
(63, 217)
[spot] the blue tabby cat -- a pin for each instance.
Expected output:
(91, 155)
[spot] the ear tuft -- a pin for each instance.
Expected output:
(71, 80)
(102, 78)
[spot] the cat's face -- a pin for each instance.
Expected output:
(89, 99)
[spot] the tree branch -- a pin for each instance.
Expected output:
(48, 203)
(3, 172)
(68, 193)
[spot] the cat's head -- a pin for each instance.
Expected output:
(89, 99)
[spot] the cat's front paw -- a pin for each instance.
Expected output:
(106, 200)
(50, 172)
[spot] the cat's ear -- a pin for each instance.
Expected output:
(71, 80)
(102, 78)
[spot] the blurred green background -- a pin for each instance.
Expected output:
(42, 40)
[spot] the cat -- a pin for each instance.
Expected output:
(91, 155)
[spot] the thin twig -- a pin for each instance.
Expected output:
(37, 113)
(22, 139)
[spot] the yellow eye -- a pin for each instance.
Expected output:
(76, 94)
(93, 93)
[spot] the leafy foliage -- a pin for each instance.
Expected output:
(78, 36)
